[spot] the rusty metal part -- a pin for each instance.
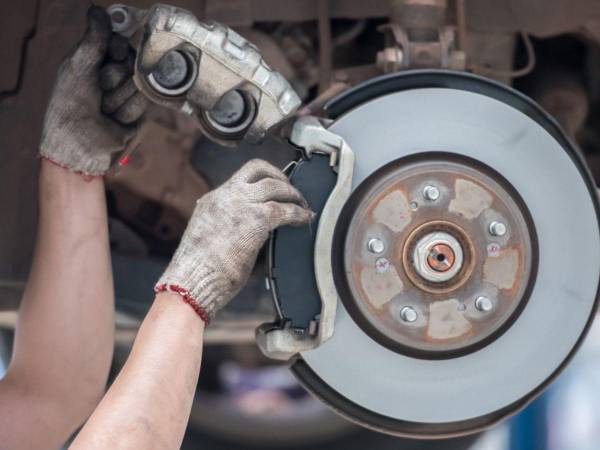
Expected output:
(440, 256)
(419, 14)
(403, 53)
(417, 37)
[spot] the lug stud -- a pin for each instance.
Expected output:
(408, 314)
(431, 193)
(376, 246)
(497, 228)
(483, 304)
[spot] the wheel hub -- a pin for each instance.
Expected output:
(437, 255)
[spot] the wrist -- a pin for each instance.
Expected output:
(62, 168)
(178, 293)
(67, 190)
(171, 304)
(200, 285)
(75, 157)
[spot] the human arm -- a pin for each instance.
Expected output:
(64, 335)
(149, 403)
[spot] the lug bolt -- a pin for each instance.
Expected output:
(408, 314)
(497, 228)
(376, 246)
(431, 193)
(483, 304)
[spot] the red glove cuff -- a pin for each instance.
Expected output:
(86, 176)
(186, 297)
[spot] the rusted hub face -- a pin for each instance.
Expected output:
(419, 252)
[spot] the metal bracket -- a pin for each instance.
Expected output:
(311, 136)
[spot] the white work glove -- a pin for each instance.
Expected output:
(227, 229)
(94, 109)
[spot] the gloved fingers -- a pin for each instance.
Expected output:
(92, 48)
(257, 169)
(111, 102)
(279, 214)
(269, 189)
(113, 75)
(132, 110)
(118, 48)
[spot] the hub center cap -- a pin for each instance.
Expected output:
(438, 256)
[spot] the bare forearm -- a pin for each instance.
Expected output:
(149, 403)
(64, 337)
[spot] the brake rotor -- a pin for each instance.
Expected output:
(466, 259)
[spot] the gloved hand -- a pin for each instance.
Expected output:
(82, 129)
(227, 229)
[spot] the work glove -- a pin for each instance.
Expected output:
(94, 108)
(227, 229)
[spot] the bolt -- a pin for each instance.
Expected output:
(497, 228)
(431, 193)
(382, 265)
(483, 304)
(408, 314)
(376, 245)
(120, 18)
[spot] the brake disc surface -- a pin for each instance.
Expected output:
(466, 259)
